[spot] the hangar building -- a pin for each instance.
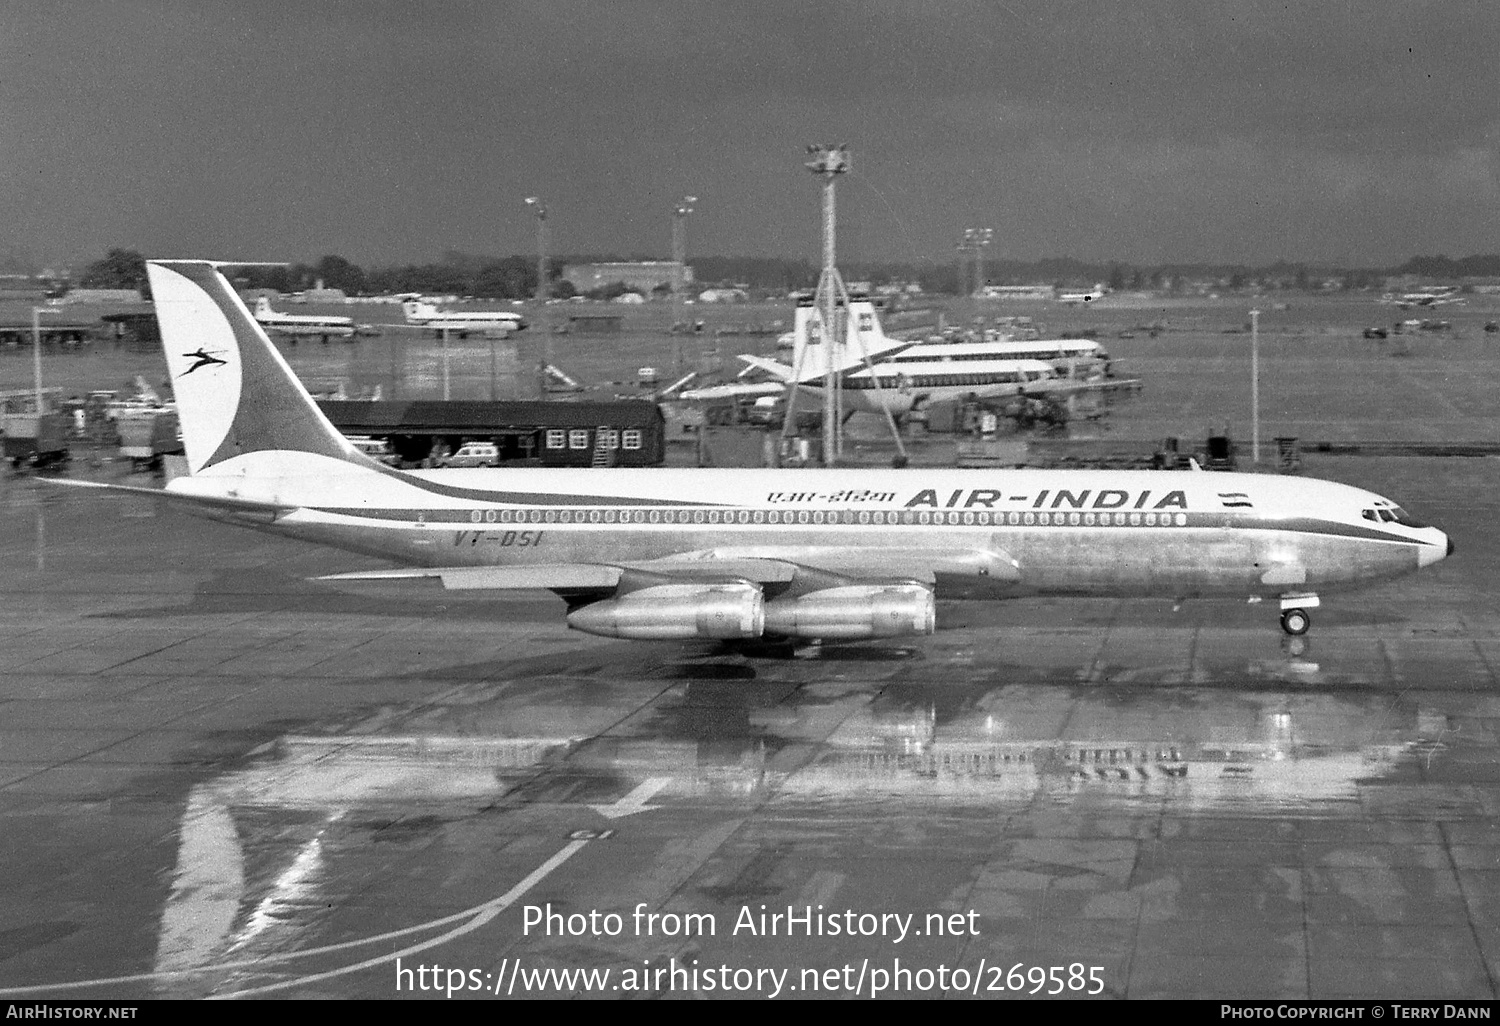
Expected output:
(624, 433)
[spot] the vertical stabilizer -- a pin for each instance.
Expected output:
(235, 394)
(864, 339)
(808, 350)
(417, 311)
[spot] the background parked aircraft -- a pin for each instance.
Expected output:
(302, 325)
(495, 323)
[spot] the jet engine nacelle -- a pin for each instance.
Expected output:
(855, 611)
(676, 612)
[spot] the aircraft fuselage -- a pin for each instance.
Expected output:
(975, 533)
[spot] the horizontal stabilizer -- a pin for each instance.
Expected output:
(219, 503)
(776, 367)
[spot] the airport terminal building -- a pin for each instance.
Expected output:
(643, 275)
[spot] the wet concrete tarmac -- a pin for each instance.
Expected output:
(218, 778)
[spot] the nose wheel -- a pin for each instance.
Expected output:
(1295, 621)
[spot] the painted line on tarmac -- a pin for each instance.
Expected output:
(476, 915)
(486, 912)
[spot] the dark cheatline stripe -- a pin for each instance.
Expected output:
(620, 517)
(1311, 525)
(531, 498)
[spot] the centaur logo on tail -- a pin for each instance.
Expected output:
(745, 554)
(201, 359)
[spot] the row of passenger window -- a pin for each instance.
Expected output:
(1121, 755)
(916, 355)
(920, 518)
(939, 380)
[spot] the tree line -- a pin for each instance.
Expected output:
(515, 277)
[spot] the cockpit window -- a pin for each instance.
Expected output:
(1392, 515)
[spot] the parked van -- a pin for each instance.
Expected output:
(472, 454)
(375, 448)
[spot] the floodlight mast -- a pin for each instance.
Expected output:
(832, 298)
(37, 312)
(975, 240)
(680, 211)
(979, 239)
(832, 330)
(1255, 387)
(542, 290)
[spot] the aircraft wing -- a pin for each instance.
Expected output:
(769, 564)
(1065, 387)
(569, 576)
(736, 391)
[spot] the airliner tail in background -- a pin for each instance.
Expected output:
(1074, 298)
(864, 340)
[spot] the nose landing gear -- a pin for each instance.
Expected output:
(1295, 618)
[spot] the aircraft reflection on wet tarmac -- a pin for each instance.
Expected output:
(259, 847)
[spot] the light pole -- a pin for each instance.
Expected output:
(1255, 387)
(680, 211)
(977, 239)
(963, 270)
(830, 334)
(36, 357)
(446, 395)
(542, 290)
(828, 162)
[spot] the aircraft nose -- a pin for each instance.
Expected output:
(1430, 554)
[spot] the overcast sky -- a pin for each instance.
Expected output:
(1354, 132)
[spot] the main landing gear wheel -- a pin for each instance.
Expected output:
(1295, 622)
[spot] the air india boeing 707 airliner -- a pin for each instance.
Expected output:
(831, 554)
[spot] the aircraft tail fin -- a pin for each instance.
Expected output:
(235, 393)
(809, 351)
(864, 339)
(414, 310)
(867, 338)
